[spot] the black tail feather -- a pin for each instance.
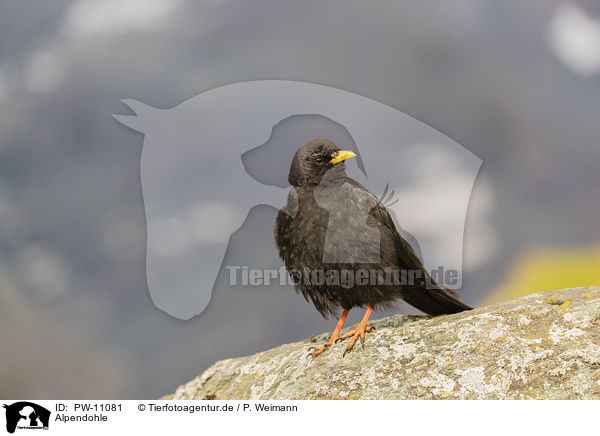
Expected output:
(437, 301)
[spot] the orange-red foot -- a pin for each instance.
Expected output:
(332, 339)
(355, 333)
(318, 350)
(358, 332)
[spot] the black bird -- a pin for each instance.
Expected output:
(333, 232)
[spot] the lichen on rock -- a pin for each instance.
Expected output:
(542, 346)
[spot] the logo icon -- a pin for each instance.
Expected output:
(26, 415)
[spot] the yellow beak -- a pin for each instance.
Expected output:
(342, 155)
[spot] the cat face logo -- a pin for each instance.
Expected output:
(26, 415)
(208, 161)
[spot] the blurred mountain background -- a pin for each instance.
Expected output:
(517, 83)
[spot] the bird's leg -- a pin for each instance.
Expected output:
(358, 331)
(334, 335)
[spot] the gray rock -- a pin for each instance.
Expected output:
(542, 346)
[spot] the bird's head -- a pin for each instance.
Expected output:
(317, 159)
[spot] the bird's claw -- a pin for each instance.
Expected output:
(318, 350)
(314, 347)
(355, 335)
(346, 351)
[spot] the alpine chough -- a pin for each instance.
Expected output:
(341, 247)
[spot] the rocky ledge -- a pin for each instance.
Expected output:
(542, 346)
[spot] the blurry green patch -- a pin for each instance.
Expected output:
(545, 269)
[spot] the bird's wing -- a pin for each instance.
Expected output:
(429, 297)
(284, 218)
(394, 248)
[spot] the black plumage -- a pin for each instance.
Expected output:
(333, 224)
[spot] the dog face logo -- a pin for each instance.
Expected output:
(26, 415)
(208, 161)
